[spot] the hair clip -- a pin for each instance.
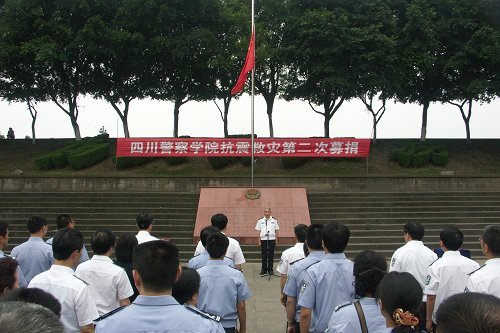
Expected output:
(404, 318)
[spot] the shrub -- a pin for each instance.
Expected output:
(89, 157)
(421, 158)
(218, 163)
(439, 157)
(130, 162)
(43, 162)
(403, 157)
(294, 162)
(59, 159)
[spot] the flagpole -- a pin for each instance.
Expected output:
(252, 100)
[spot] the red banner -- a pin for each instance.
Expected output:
(225, 147)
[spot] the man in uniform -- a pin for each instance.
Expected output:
(327, 283)
(34, 256)
(202, 259)
(486, 279)
(314, 239)
(156, 268)
(4, 240)
(268, 238)
(447, 275)
(78, 309)
(65, 221)
(290, 255)
(144, 223)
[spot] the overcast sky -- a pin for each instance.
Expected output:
(291, 119)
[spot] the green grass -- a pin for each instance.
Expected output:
(479, 158)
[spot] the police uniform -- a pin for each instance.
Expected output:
(144, 236)
(22, 280)
(84, 257)
(201, 260)
(77, 307)
(486, 279)
(447, 276)
(233, 251)
(221, 288)
(267, 235)
(33, 256)
(159, 314)
(345, 318)
(295, 275)
(290, 255)
(108, 283)
(325, 285)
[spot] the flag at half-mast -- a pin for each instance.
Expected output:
(249, 65)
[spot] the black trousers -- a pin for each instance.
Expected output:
(230, 329)
(267, 254)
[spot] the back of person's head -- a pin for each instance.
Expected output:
(4, 227)
(369, 269)
(306, 250)
(63, 221)
(66, 241)
(205, 232)
(217, 245)
(102, 241)
(415, 230)
(491, 237)
(399, 290)
(452, 238)
(144, 220)
(469, 313)
(335, 237)
(125, 246)
(300, 232)
(36, 223)
(314, 237)
(8, 279)
(22, 317)
(219, 221)
(187, 286)
(157, 263)
(36, 296)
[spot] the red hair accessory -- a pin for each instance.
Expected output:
(404, 318)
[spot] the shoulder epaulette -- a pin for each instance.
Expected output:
(434, 261)
(314, 263)
(203, 314)
(475, 270)
(293, 262)
(81, 280)
(229, 258)
(104, 316)
(340, 306)
(199, 254)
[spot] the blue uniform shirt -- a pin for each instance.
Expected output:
(33, 256)
(345, 318)
(22, 280)
(325, 285)
(83, 258)
(221, 288)
(159, 314)
(295, 275)
(201, 260)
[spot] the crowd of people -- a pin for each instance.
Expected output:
(54, 286)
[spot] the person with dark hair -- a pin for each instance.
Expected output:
(268, 238)
(36, 296)
(4, 240)
(10, 134)
(202, 259)
(447, 275)
(34, 256)
(313, 242)
(234, 250)
(487, 278)
(469, 313)
(9, 278)
(156, 268)
(108, 284)
(223, 290)
(186, 288)
(23, 317)
(78, 309)
(327, 283)
(65, 221)
(144, 223)
(123, 251)
(290, 255)
(399, 295)
(369, 269)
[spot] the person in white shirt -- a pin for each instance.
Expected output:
(108, 283)
(144, 223)
(78, 309)
(486, 279)
(267, 239)
(234, 250)
(415, 258)
(291, 255)
(448, 275)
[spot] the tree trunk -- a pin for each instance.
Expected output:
(270, 120)
(34, 113)
(423, 132)
(177, 106)
(125, 127)
(326, 125)
(227, 102)
(33, 135)
(374, 140)
(76, 129)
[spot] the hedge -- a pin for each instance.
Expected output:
(421, 158)
(420, 154)
(439, 158)
(89, 157)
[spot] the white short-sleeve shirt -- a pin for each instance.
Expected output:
(77, 306)
(486, 280)
(267, 228)
(290, 255)
(108, 283)
(144, 236)
(233, 251)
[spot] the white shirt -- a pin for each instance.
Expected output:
(77, 307)
(290, 255)
(233, 251)
(108, 283)
(267, 228)
(448, 276)
(144, 236)
(486, 280)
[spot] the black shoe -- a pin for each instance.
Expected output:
(271, 272)
(263, 272)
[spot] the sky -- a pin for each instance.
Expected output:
(291, 119)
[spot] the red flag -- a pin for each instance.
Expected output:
(249, 64)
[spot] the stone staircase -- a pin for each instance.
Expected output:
(375, 219)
